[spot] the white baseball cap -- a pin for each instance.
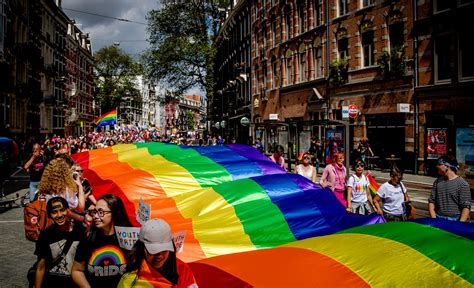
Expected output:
(156, 235)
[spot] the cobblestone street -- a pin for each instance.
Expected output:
(16, 253)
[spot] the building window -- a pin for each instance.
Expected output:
(396, 35)
(318, 12)
(441, 5)
(365, 3)
(274, 72)
(466, 47)
(302, 60)
(265, 35)
(288, 24)
(257, 84)
(301, 9)
(318, 61)
(265, 76)
(256, 45)
(342, 7)
(343, 48)
(288, 61)
(443, 46)
(273, 24)
(368, 48)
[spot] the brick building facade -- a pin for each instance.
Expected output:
(404, 65)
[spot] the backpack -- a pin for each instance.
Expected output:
(35, 218)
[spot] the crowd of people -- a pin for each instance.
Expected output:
(84, 226)
(450, 197)
(69, 251)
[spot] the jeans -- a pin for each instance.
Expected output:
(33, 188)
(451, 218)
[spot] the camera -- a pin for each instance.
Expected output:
(75, 175)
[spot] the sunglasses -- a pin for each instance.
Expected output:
(359, 165)
(99, 212)
(442, 162)
(80, 171)
(307, 158)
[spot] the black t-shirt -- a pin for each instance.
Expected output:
(50, 245)
(105, 261)
(37, 168)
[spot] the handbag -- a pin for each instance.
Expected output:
(410, 210)
(31, 274)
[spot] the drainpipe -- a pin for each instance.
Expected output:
(415, 93)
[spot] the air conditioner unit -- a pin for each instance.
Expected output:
(73, 91)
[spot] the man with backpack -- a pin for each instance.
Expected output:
(56, 247)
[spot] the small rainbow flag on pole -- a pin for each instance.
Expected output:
(109, 118)
(373, 185)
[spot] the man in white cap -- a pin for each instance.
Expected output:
(154, 262)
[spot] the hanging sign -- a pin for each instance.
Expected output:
(244, 121)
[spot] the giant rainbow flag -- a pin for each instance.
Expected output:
(109, 118)
(248, 223)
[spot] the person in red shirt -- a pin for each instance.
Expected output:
(153, 261)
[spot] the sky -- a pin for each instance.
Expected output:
(106, 31)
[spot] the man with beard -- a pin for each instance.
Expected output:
(56, 247)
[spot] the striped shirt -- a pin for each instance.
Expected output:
(450, 196)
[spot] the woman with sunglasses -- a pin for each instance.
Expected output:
(305, 169)
(358, 194)
(154, 262)
(334, 177)
(99, 261)
(393, 195)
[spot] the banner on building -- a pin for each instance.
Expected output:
(334, 143)
(436, 142)
(465, 153)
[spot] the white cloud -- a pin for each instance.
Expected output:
(106, 31)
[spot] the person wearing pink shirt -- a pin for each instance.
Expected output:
(334, 177)
(277, 156)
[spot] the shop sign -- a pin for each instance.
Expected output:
(353, 111)
(244, 121)
(223, 124)
(436, 142)
(345, 112)
(273, 116)
(403, 107)
(217, 125)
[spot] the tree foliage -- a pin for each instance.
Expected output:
(115, 72)
(182, 53)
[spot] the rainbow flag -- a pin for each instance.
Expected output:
(109, 118)
(373, 185)
(232, 202)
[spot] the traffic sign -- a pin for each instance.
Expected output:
(353, 111)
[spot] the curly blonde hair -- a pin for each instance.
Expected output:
(57, 178)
